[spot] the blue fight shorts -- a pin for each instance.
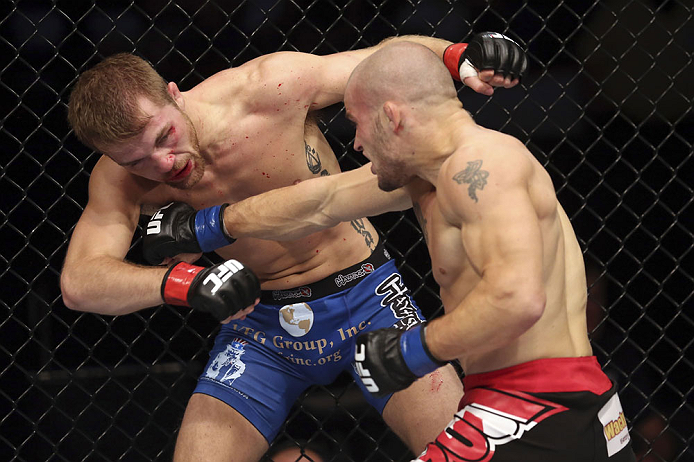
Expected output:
(303, 336)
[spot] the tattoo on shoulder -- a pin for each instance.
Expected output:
(313, 160)
(359, 227)
(473, 176)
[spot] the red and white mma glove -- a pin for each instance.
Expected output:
(486, 50)
(221, 290)
(389, 359)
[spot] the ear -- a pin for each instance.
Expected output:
(175, 93)
(394, 115)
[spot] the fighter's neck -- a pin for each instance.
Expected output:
(445, 136)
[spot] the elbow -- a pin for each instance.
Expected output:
(522, 306)
(533, 304)
(73, 298)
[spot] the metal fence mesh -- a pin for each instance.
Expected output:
(606, 108)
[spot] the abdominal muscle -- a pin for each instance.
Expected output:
(286, 264)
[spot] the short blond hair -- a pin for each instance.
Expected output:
(103, 107)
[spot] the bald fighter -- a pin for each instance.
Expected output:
(509, 267)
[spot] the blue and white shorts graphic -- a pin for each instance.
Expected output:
(304, 336)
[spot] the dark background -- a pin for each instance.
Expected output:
(606, 107)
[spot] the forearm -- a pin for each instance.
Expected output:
(484, 321)
(296, 211)
(109, 286)
(281, 214)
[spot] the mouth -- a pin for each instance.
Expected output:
(182, 173)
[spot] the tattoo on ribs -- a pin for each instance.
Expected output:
(359, 227)
(474, 176)
(420, 218)
(312, 159)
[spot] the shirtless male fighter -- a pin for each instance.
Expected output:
(239, 133)
(509, 267)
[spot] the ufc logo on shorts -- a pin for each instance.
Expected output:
(154, 225)
(490, 419)
(224, 272)
(364, 373)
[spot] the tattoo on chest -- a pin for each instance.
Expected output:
(473, 176)
(359, 227)
(313, 160)
(420, 218)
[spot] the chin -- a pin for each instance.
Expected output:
(391, 183)
(388, 186)
(191, 180)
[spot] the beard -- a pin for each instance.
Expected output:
(391, 170)
(392, 176)
(195, 156)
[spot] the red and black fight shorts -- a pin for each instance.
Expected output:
(548, 410)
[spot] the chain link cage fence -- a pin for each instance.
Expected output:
(606, 107)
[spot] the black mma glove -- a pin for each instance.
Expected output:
(389, 359)
(487, 50)
(221, 290)
(178, 228)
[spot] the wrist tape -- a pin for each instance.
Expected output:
(416, 353)
(451, 58)
(176, 283)
(209, 228)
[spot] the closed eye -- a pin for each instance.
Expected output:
(131, 164)
(164, 136)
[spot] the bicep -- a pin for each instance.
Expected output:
(106, 226)
(311, 81)
(500, 229)
(505, 235)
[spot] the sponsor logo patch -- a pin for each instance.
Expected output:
(227, 365)
(301, 292)
(396, 296)
(342, 280)
(296, 319)
(614, 425)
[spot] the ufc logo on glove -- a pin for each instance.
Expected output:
(224, 272)
(154, 225)
(364, 374)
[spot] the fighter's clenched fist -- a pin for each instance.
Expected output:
(221, 290)
(388, 360)
(486, 50)
(178, 228)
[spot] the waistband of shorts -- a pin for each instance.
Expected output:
(547, 375)
(336, 282)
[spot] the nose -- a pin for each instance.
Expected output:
(357, 144)
(164, 161)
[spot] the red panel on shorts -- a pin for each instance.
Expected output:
(549, 375)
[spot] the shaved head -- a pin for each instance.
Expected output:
(404, 72)
(390, 96)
